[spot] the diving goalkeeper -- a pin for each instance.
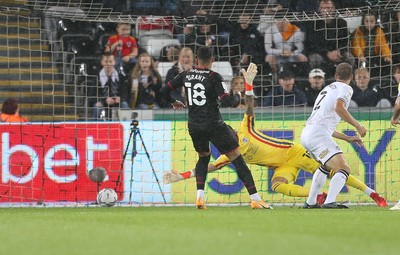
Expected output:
(285, 157)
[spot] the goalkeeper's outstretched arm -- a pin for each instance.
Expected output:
(249, 102)
(175, 176)
(249, 76)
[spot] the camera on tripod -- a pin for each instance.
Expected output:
(135, 122)
(134, 137)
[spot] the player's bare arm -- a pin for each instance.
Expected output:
(396, 113)
(343, 113)
(350, 139)
(249, 102)
(249, 76)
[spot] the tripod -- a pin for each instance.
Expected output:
(135, 131)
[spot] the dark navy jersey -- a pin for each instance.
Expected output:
(203, 89)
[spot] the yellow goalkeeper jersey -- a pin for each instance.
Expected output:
(263, 150)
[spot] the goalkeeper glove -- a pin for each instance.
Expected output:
(249, 76)
(171, 177)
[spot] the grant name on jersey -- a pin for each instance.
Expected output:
(198, 77)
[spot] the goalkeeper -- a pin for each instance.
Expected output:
(285, 157)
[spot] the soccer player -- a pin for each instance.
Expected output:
(204, 88)
(395, 121)
(317, 137)
(285, 157)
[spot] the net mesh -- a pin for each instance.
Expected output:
(50, 54)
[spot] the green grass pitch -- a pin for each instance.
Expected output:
(186, 230)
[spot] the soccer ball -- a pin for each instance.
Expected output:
(107, 197)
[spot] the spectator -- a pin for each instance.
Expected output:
(365, 94)
(390, 89)
(286, 94)
(393, 36)
(185, 63)
(274, 6)
(10, 111)
(283, 42)
(146, 84)
(270, 8)
(169, 53)
(316, 82)
(187, 37)
(194, 13)
(247, 44)
(369, 45)
(124, 47)
(327, 40)
(190, 10)
(237, 87)
(206, 35)
(111, 90)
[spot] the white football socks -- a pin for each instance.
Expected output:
(255, 197)
(369, 191)
(200, 193)
(337, 183)
(318, 181)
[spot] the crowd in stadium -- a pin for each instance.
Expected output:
(300, 56)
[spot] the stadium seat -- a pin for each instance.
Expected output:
(353, 22)
(143, 39)
(86, 65)
(102, 43)
(154, 46)
(224, 68)
(163, 68)
(84, 72)
(81, 44)
(153, 27)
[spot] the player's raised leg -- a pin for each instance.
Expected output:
(356, 183)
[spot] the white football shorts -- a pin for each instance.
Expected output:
(319, 143)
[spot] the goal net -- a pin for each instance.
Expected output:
(51, 53)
